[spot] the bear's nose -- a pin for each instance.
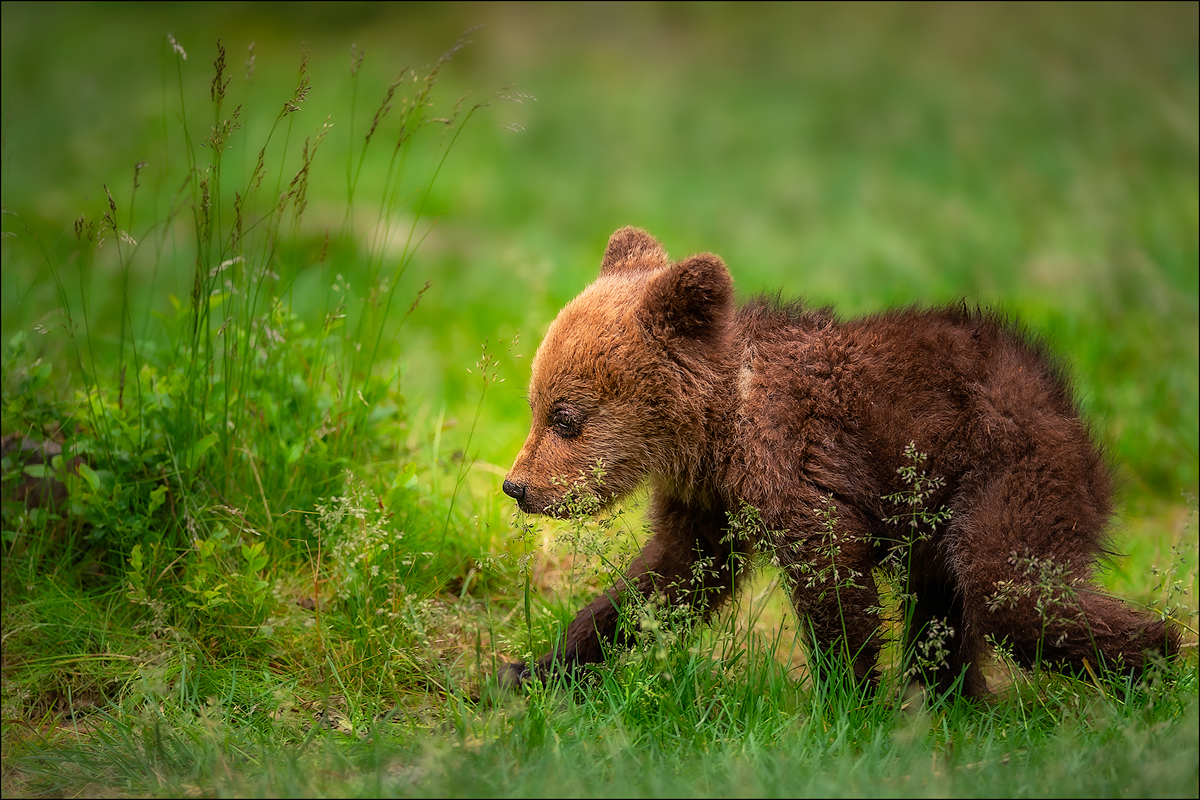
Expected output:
(514, 490)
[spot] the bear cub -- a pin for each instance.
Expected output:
(808, 426)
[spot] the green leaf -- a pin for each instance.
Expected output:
(135, 567)
(401, 487)
(199, 449)
(90, 475)
(37, 470)
(156, 498)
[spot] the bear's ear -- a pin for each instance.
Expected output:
(692, 299)
(632, 249)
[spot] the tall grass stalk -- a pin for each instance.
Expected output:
(206, 445)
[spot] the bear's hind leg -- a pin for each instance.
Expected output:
(938, 649)
(1023, 549)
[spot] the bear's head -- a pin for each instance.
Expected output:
(625, 378)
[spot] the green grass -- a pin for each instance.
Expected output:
(288, 568)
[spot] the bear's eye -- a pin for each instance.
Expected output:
(564, 423)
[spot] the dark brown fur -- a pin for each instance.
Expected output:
(653, 371)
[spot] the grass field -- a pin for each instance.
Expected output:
(275, 273)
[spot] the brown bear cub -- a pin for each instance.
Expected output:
(814, 428)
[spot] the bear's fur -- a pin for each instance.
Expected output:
(655, 373)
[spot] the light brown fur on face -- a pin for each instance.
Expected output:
(604, 367)
(654, 373)
(574, 389)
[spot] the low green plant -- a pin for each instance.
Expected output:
(210, 507)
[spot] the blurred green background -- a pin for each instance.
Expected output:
(1038, 158)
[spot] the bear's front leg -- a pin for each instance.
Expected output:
(827, 555)
(690, 560)
(842, 623)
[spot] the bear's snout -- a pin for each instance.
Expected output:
(532, 499)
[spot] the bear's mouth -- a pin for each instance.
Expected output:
(543, 505)
(530, 508)
(556, 506)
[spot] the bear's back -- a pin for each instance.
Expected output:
(835, 404)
